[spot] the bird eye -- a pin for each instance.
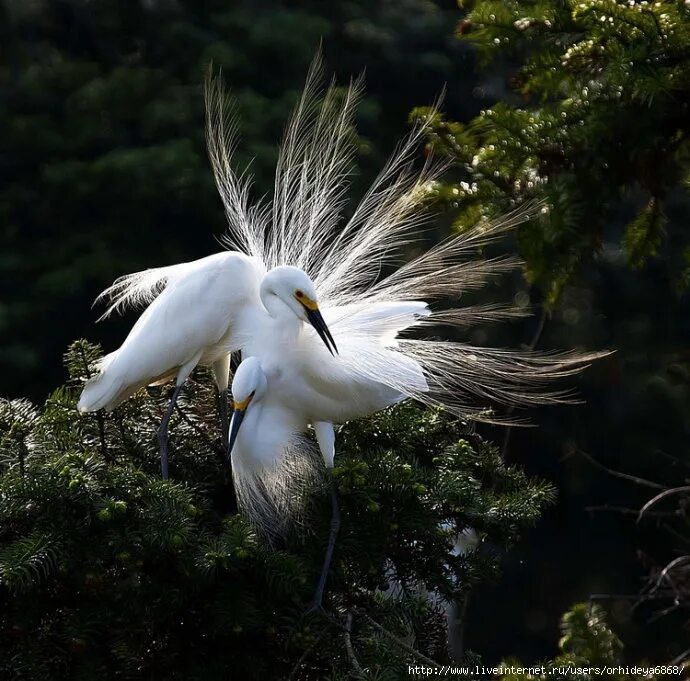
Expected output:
(299, 294)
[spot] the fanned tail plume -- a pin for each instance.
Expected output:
(470, 381)
(348, 260)
(387, 219)
(247, 225)
(312, 179)
(314, 164)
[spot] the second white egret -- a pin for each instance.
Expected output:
(294, 385)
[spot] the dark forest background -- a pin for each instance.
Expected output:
(103, 171)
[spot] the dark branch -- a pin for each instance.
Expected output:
(619, 474)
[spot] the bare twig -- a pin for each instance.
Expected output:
(659, 497)
(681, 658)
(619, 474)
(664, 574)
(662, 613)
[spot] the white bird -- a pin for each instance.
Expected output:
(279, 397)
(200, 316)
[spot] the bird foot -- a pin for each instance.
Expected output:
(315, 607)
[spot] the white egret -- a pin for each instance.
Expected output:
(199, 318)
(278, 397)
(271, 461)
(269, 456)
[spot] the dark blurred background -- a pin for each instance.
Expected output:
(103, 172)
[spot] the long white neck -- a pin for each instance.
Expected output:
(287, 323)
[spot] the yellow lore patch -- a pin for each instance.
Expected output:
(241, 406)
(308, 303)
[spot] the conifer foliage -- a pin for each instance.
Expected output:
(588, 650)
(106, 571)
(601, 110)
(597, 126)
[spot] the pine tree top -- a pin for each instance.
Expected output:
(600, 112)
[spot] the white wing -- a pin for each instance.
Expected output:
(192, 320)
(337, 389)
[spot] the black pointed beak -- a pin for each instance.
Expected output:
(317, 321)
(237, 416)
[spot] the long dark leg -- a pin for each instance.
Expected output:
(163, 433)
(223, 408)
(335, 526)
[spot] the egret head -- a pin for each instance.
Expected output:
(296, 290)
(248, 385)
